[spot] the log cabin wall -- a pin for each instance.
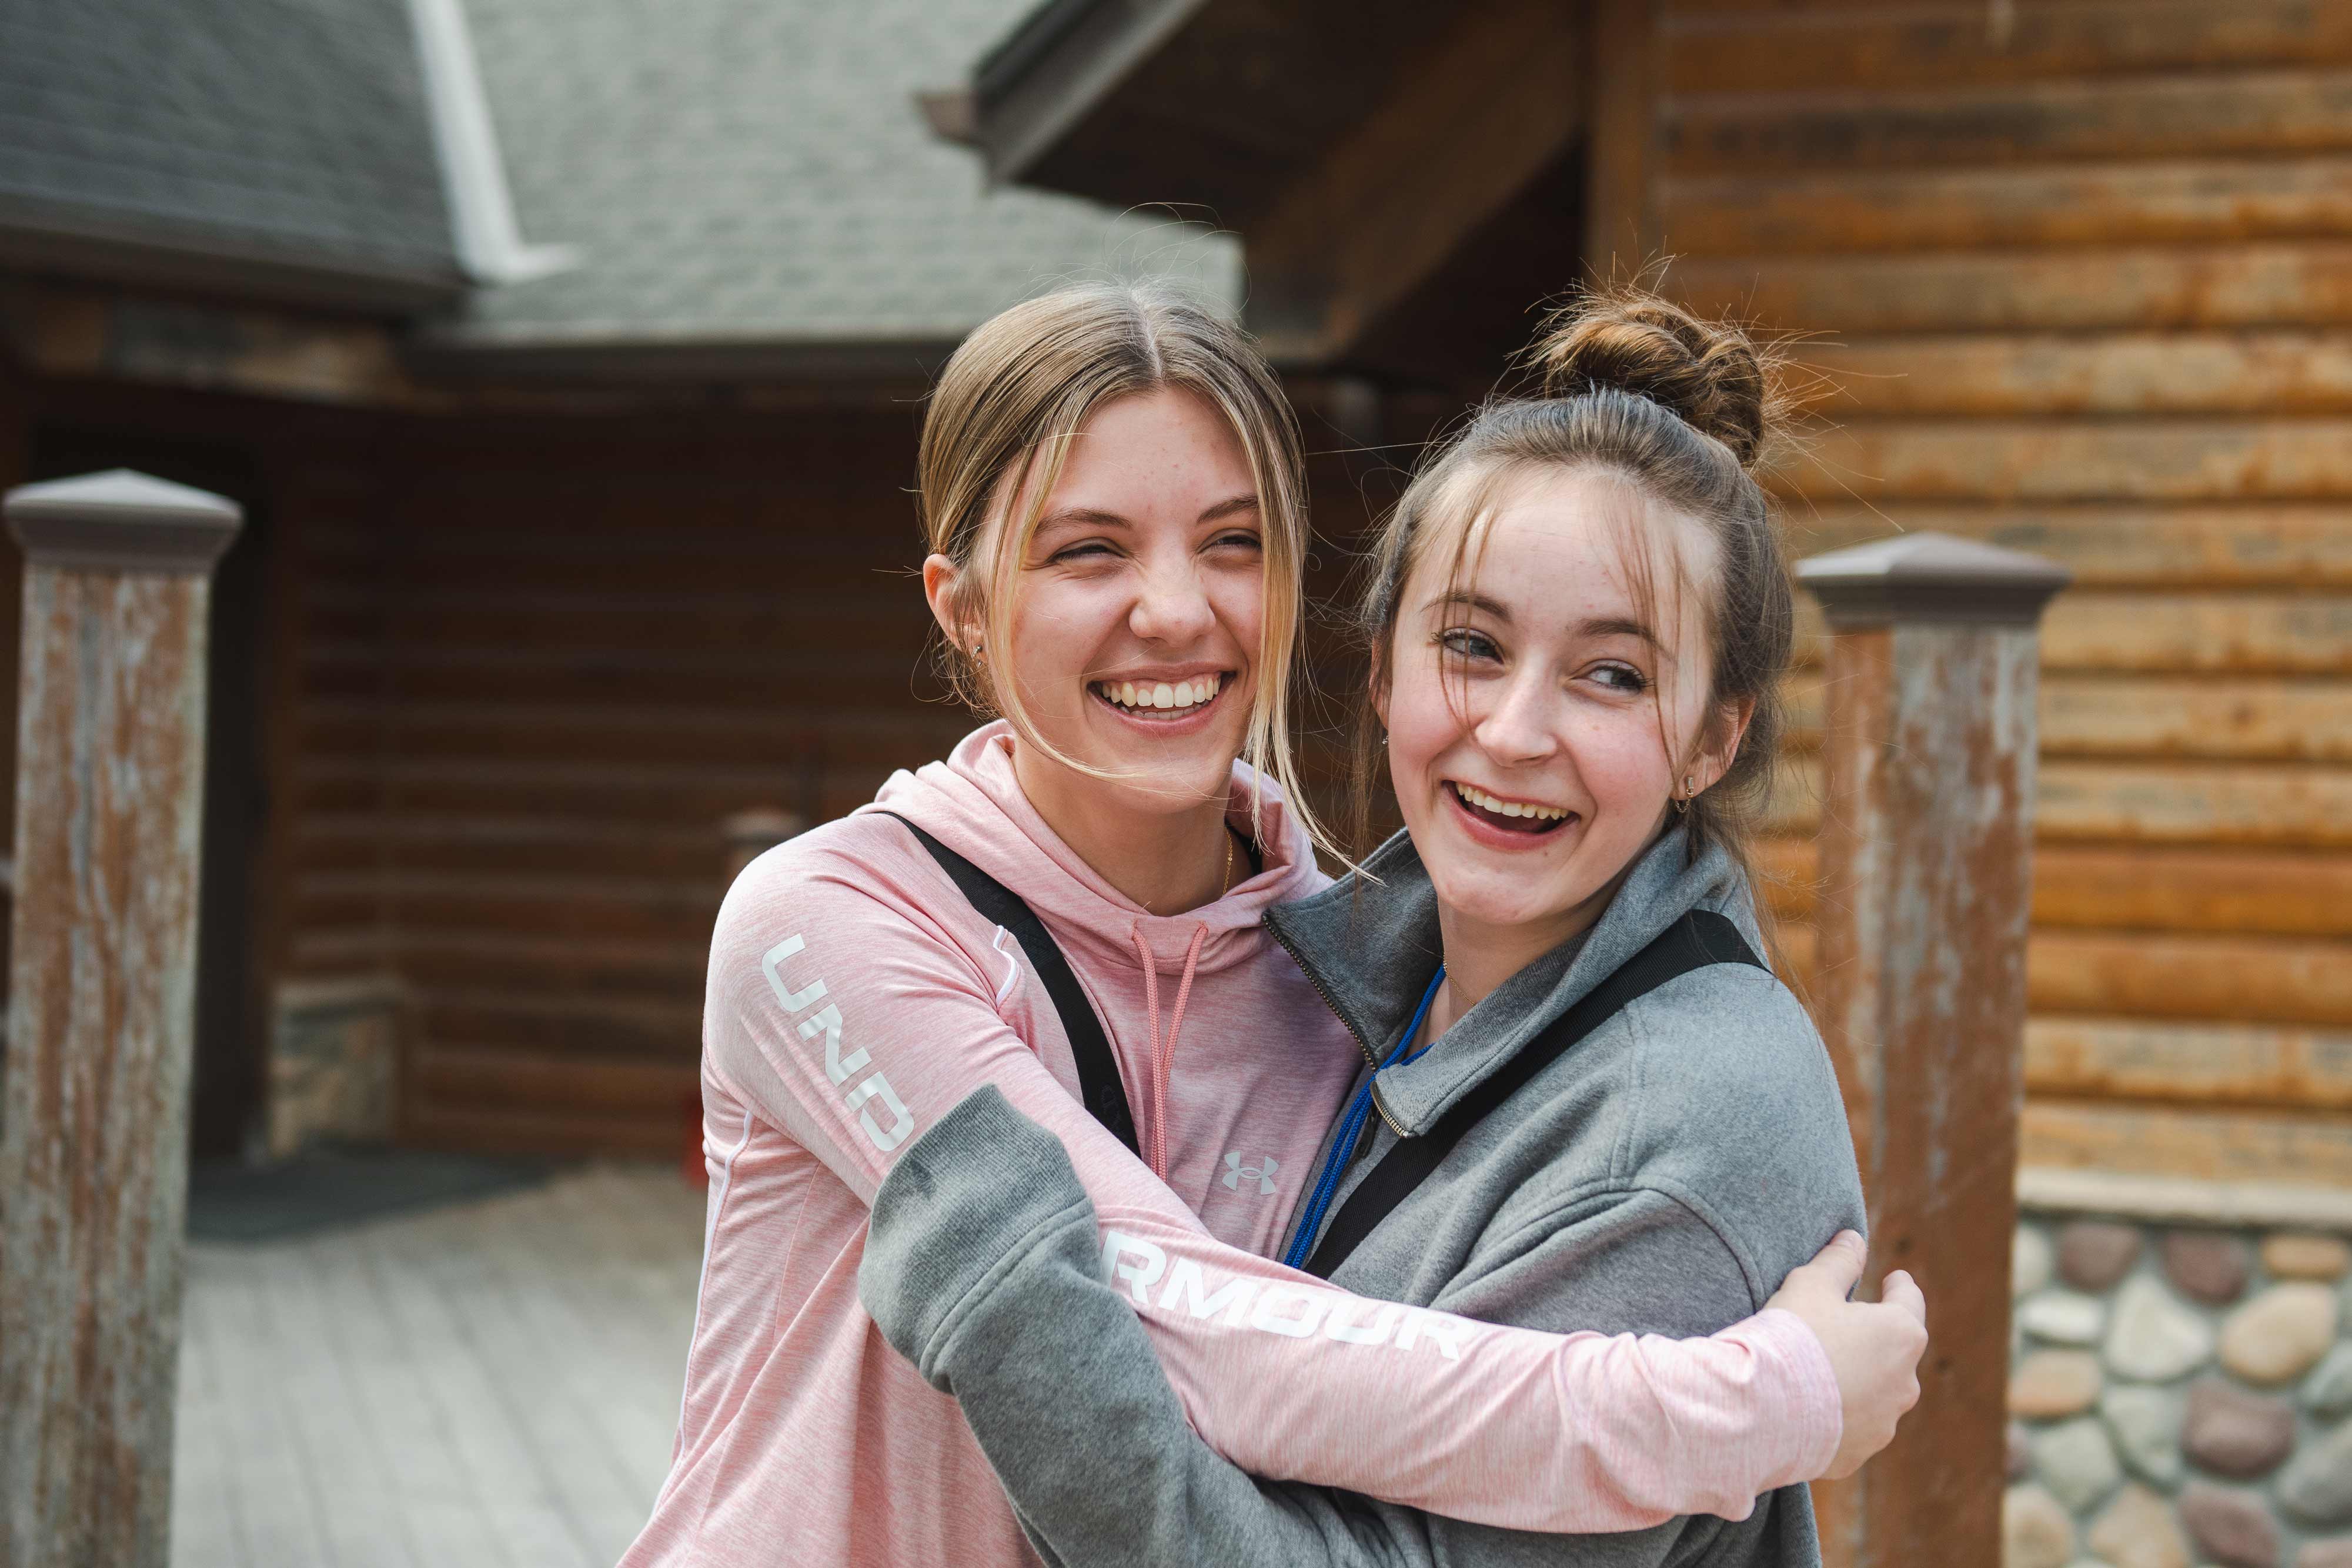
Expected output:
(540, 665)
(2082, 272)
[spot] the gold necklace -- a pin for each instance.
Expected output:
(1226, 881)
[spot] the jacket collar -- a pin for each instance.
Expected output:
(1370, 947)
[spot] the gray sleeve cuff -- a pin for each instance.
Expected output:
(966, 1202)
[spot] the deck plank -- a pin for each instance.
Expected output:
(263, 1461)
(488, 1386)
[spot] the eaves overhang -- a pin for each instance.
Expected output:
(1212, 108)
(1062, 64)
(876, 369)
(62, 239)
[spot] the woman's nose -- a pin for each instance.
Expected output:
(1172, 604)
(1522, 726)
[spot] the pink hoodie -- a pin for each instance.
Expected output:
(854, 996)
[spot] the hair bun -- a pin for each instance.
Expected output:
(1709, 372)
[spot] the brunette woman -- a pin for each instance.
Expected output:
(1069, 909)
(1597, 1107)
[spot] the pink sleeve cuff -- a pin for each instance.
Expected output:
(1790, 1354)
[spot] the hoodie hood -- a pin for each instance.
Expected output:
(1372, 947)
(972, 804)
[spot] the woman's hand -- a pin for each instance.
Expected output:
(1873, 1349)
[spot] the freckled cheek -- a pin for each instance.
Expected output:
(1239, 602)
(1061, 629)
(1423, 732)
(1623, 767)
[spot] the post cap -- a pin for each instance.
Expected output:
(122, 521)
(1931, 576)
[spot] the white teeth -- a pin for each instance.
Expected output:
(1484, 801)
(1160, 694)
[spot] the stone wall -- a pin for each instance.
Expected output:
(334, 1054)
(2178, 1394)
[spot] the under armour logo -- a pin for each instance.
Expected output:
(1262, 1173)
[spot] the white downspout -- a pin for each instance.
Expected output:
(481, 209)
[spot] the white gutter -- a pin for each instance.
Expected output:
(481, 209)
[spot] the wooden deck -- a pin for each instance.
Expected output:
(491, 1385)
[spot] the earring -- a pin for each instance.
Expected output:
(977, 644)
(1682, 802)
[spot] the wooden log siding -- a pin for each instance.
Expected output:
(2078, 277)
(541, 663)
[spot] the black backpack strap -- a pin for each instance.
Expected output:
(1699, 940)
(1104, 1095)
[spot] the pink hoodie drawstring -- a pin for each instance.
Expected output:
(1163, 1056)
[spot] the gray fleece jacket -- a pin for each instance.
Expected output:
(1661, 1177)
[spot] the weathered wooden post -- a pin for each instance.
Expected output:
(1927, 848)
(94, 1087)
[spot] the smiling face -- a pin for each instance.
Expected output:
(1135, 608)
(1543, 707)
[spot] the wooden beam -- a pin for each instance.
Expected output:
(1621, 232)
(1465, 132)
(2258, 720)
(2131, 715)
(101, 1016)
(2260, 980)
(2308, 808)
(2192, 1063)
(2180, 1141)
(2189, 545)
(2193, 115)
(2215, 633)
(2303, 893)
(560, 1082)
(2134, 716)
(2274, 372)
(2145, 888)
(2094, 204)
(2298, 1203)
(2281, 283)
(1941, 46)
(2042, 460)
(1919, 987)
(68, 330)
(2247, 805)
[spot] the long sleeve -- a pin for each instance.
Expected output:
(982, 1267)
(856, 1031)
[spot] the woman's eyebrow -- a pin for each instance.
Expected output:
(1082, 518)
(1462, 599)
(1616, 626)
(1245, 502)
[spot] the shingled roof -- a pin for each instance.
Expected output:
(753, 176)
(283, 144)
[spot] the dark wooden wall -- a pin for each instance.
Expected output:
(512, 675)
(539, 664)
(2082, 271)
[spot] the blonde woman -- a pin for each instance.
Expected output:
(1069, 910)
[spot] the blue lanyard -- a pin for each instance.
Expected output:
(1351, 1127)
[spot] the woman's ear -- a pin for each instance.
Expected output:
(1720, 745)
(941, 579)
(1379, 684)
